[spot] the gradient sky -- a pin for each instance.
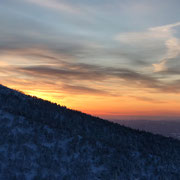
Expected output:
(114, 59)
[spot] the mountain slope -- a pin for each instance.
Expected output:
(41, 140)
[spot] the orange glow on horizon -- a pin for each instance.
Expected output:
(118, 98)
(106, 106)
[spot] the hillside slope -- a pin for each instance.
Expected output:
(41, 140)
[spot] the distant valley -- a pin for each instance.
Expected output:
(167, 127)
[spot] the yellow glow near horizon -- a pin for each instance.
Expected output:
(108, 106)
(124, 101)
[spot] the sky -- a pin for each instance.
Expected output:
(113, 59)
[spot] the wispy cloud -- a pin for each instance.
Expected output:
(43, 64)
(147, 99)
(81, 71)
(161, 66)
(56, 5)
(172, 44)
(70, 72)
(76, 89)
(161, 34)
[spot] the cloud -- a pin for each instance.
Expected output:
(165, 28)
(173, 50)
(56, 5)
(150, 35)
(61, 64)
(60, 47)
(173, 46)
(71, 73)
(74, 89)
(81, 71)
(42, 64)
(147, 99)
(161, 36)
(160, 66)
(62, 72)
(81, 78)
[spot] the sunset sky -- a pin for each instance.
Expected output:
(115, 59)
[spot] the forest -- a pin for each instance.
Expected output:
(43, 140)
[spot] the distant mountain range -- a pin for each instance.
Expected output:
(40, 140)
(169, 128)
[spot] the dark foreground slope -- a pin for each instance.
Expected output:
(40, 140)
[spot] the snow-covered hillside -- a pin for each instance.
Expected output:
(44, 141)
